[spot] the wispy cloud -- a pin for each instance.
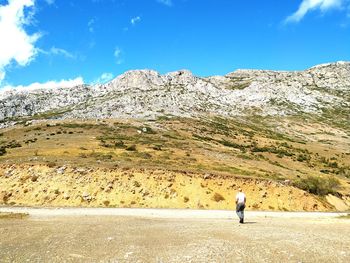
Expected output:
(16, 44)
(105, 77)
(310, 5)
(91, 24)
(166, 2)
(62, 52)
(117, 55)
(58, 52)
(135, 20)
(48, 85)
(50, 2)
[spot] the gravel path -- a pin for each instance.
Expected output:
(161, 213)
(86, 238)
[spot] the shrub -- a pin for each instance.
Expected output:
(136, 184)
(51, 164)
(303, 157)
(119, 144)
(83, 155)
(344, 171)
(148, 130)
(318, 185)
(34, 178)
(100, 156)
(232, 145)
(218, 197)
(157, 147)
(333, 164)
(2, 151)
(131, 148)
(280, 152)
(14, 144)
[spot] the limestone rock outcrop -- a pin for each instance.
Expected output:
(148, 94)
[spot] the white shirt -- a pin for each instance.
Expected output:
(240, 198)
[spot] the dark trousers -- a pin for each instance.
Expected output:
(240, 211)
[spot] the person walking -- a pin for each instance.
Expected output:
(240, 205)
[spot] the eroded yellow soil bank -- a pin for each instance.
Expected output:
(40, 185)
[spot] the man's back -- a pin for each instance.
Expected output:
(240, 198)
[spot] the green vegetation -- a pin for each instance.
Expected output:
(318, 185)
(2, 151)
(5, 215)
(8, 145)
(272, 149)
(249, 147)
(345, 216)
(131, 148)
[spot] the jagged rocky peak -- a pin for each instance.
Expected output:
(333, 65)
(336, 67)
(149, 79)
(142, 93)
(141, 79)
(181, 77)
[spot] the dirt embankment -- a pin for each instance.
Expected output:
(40, 185)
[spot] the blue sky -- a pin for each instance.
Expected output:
(70, 42)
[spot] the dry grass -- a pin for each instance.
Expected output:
(5, 215)
(215, 146)
(345, 216)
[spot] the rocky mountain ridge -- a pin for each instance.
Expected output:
(147, 94)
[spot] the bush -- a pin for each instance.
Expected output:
(218, 197)
(157, 147)
(131, 148)
(119, 144)
(51, 164)
(232, 145)
(333, 164)
(2, 151)
(318, 185)
(303, 157)
(13, 144)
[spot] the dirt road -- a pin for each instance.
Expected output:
(283, 237)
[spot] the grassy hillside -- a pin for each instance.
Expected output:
(298, 152)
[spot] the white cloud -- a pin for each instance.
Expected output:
(117, 55)
(105, 77)
(309, 5)
(57, 52)
(91, 25)
(16, 44)
(135, 20)
(50, 2)
(47, 85)
(166, 2)
(62, 52)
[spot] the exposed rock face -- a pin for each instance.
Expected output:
(146, 93)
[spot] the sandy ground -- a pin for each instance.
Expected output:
(73, 235)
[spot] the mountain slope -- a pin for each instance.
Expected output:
(147, 94)
(177, 140)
